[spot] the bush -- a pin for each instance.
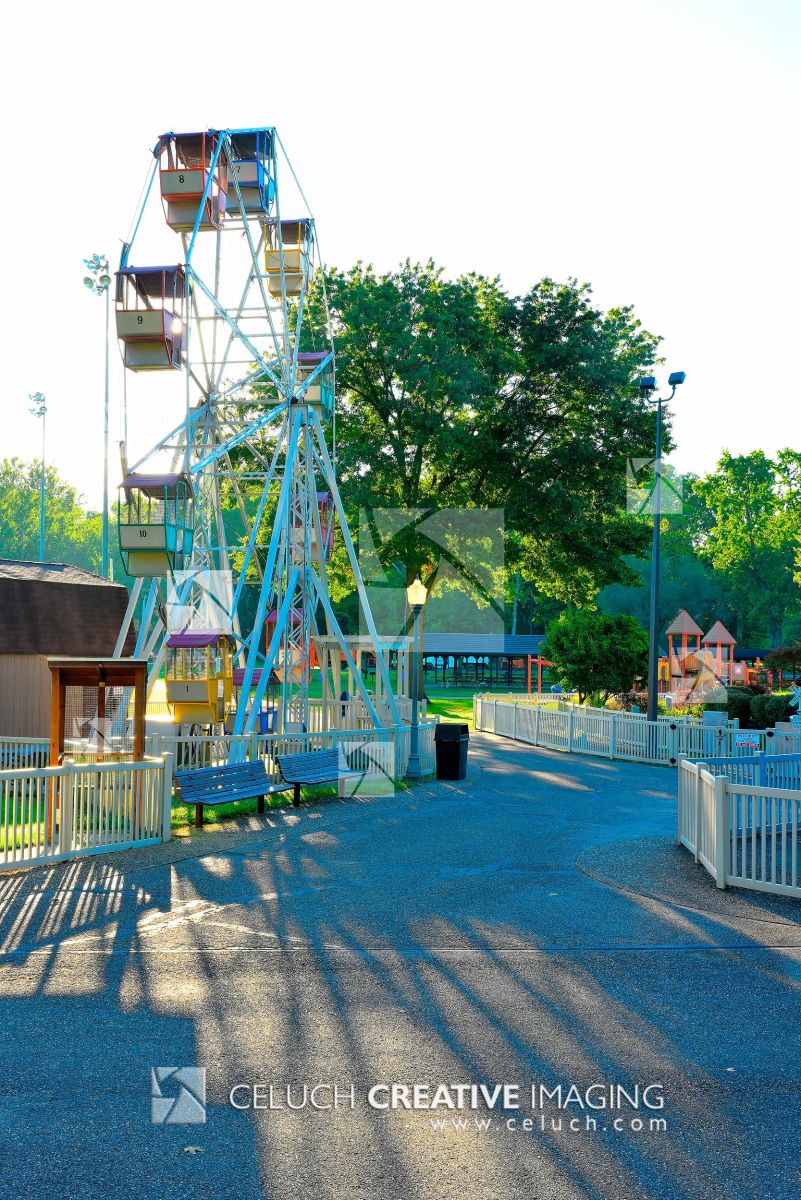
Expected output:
(738, 703)
(758, 714)
(777, 708)
(594, 652)
(682, 710)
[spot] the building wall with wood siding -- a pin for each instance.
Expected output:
(50, 609)
(24, 695)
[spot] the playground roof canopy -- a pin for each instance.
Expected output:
(683, 623)
(718, 636)
(55, 608)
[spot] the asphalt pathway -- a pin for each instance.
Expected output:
(536, 924)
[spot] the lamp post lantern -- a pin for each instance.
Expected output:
(416, 595)
(38, 408)
(647, 388)
(98, 281)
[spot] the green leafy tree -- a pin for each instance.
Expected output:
(595, 652)
(686, 581)
(455, 395)
(561, 434)
(731, 554)
(753, 541)
(786, 660)
(72, 531)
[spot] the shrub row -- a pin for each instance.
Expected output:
(762, 710)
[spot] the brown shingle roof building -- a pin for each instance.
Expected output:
(50, 609)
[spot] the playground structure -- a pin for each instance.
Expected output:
(240, 494)
(698, 663)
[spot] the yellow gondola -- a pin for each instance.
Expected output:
(287, 245)
(200, 676)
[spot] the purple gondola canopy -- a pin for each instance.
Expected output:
(153, 485)
(195, 638)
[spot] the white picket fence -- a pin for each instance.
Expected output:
(320, 714)
(383, 752)
(744, 833)
(580, 729)
(50, 814)
(23, 752)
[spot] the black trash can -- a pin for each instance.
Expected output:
(450, 742)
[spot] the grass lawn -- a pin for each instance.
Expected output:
(453, 705)
(183, 815)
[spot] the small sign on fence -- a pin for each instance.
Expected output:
(748, 741)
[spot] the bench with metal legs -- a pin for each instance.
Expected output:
(312, 767)
(226, 784)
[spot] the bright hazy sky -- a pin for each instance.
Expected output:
(649, 147)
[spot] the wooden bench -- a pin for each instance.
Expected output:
(314, 766)
(223, 785)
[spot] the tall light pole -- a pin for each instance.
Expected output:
(38, 408)
(416, 595)
(648, 387)
(99, 281)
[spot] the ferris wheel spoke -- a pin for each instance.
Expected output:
(256, 273)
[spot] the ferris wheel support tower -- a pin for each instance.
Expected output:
(229, 323)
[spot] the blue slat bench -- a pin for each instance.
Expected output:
(314, 766)
(223, 785)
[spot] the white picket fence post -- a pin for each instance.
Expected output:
(65, 809)
(537, 723)
(166, 797)
(681, 799)
(673, 743)
(612, 735)
(514, 722)
(721, 830)
(570, 722)
(698, 767)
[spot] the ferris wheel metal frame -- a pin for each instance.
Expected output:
(276, 432)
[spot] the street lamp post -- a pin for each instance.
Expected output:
(99, 282)
(416, 595)
(38, 408)
(648, 387)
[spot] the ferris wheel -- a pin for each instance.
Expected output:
(241, 487)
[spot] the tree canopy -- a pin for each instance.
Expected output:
(455, 395)
(594, 652)
(753, 540)
(72, 531)
(732, 553)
